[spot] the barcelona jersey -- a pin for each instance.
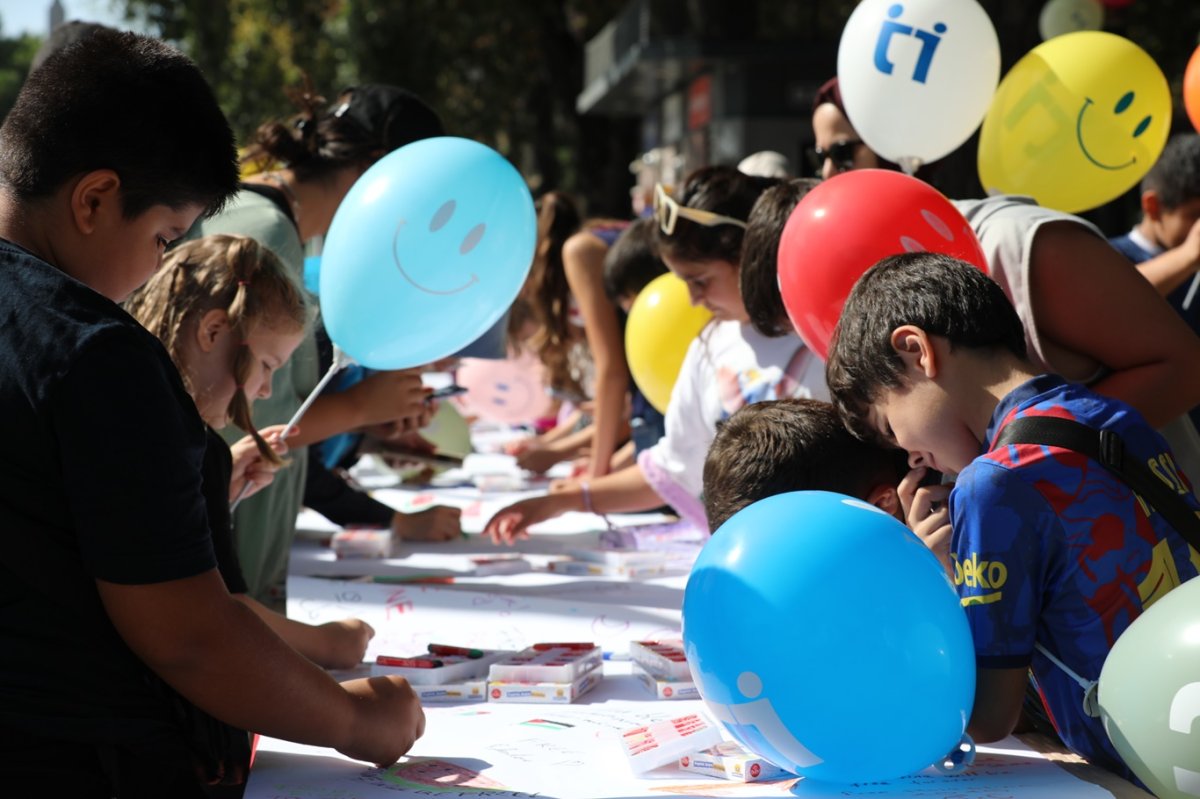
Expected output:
(1051, 548)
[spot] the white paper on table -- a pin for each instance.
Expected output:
(571, 751)
(406, 617)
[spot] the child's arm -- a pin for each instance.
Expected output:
(334, 645)
(1086, 300)
(380, 397)
(218, 654)
(620, 492)
(999, 694)
(1168, 271)
(583, 263)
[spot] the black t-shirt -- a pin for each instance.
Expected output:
(99, 479)
(218, 470)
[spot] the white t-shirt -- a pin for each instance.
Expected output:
(729, 365)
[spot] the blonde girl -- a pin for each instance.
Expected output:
(230, 315)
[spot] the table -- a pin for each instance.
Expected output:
(507, 750)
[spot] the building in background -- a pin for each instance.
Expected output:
(712, 81)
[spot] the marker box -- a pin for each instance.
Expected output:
(486, 565)
(547, 663)
(586, 569)
(664, 742)
(362, 543)
(662, 658)
(545, 692)
(450, 671)
(664, 687)
(618, 556)
(729, 760)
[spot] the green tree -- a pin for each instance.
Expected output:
(15, 57)
(252, 50)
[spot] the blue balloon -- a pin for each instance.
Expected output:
(426, 252)
(828, 639)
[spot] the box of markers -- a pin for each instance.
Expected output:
(663, 669)
(546, 673)
(662, 742)
(583, 568)
(729, 760)
(445, 673)
(663, 687)
(362, 542)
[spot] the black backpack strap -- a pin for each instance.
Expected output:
(1107, 448)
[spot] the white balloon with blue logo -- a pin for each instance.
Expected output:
(917, 76)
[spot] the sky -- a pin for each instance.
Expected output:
(33, 16)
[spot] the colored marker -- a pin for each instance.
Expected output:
(408, 663)
(432, 579)
(577, 645)
(446, 649)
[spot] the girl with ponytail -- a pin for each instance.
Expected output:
(230, 315)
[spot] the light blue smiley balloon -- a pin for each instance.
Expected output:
(426, 252)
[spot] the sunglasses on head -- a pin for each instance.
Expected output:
(667, 211)
(841, 153)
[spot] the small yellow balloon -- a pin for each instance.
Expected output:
(1076, 123)
(661, 325)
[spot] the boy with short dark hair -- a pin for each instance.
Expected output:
(1053, 555)
(117, 636)
(777, 446)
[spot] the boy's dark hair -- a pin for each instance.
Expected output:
(361, 126)
(769, 448)
(632, 261)
(941, 295)
(759, 278)
(125, 102)
(720, 189)
(1176, 173)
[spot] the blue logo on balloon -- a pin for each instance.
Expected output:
(426, 253)
(929, 42)
(812, 622)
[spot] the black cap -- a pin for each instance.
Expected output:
(392, 116)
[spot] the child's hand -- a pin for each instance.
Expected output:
(439, 523)
(513, 523)
(389, 397)
(388, 720)
(343, 643)
(249, 465)
(927, 513)
(538, 459)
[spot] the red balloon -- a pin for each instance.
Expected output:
(844, 226)
(1191, 89)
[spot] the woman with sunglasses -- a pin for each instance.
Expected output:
(1068, 285)
(729, 365)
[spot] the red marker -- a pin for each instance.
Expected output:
(446, 649)
(408, 663)
(577, 645)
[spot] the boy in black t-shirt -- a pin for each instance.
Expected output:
(108, 586)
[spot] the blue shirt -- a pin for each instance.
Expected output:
(1050, 547)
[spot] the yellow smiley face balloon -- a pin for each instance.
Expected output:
(1077, 122)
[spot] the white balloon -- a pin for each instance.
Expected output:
(1067, 16)
(917, 76)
